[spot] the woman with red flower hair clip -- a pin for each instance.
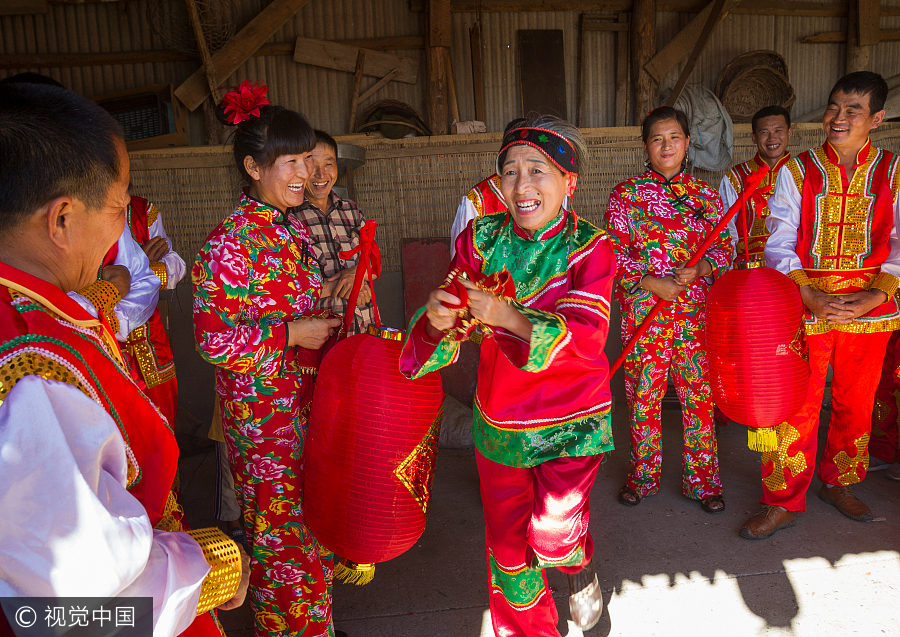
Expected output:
(542, 405)
(255, 286)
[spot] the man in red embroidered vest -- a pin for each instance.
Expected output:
(87, 468)
(147, 350)
(771, 134)
(833, 225)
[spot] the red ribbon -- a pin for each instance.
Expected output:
(369, 264)
(752, 184)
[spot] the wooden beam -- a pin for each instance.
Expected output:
(341, 57)
(868, 18)
(209, 69)
(797, 8)
(856, 56)
(377, 86)
(239, 49)
(834, 37)
(477, 70)
(718, 12)
(357, 83)
(678, 47)
(643, 46)
(436, 98)
(68, 60)
(622, 83)
(23, 7)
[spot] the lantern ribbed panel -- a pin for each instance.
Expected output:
(366, 419)
(753, 319)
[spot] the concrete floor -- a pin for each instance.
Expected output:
(666, 567)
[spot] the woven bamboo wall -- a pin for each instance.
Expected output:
(411, 187)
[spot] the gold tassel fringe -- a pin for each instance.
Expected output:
(352, 573)
(762, 440)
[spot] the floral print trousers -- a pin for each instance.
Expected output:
(674, 341)
(291, 573)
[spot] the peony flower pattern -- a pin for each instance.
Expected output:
(250, 278)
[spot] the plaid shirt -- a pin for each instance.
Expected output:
(332, 232)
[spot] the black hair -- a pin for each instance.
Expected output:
(53, 143)
(553, 123)
(277, 131)
(771, 111)
(864, 83)
(324, 138)
(513, 123)
(663, 113)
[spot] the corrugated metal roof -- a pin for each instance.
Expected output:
(324, 95)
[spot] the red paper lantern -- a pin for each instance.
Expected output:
(370, 450)
(754, 343)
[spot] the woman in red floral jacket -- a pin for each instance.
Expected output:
(255, 283)
(657, 220)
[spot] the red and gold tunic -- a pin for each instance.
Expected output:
(147, 351)
(838, 234)
(757, 209)
(484, 198)
(44, 333)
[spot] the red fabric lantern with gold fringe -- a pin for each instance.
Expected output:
(754, 342)
(370, 451)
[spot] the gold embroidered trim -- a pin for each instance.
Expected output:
(104, 296)
(152, 214)
(781, 459)
(224, 558)
(854, 327)
(139, 347)
(885, 282)
(847, 465)
(23, 364)
(172, 515)
(159, 269)
(799, 277)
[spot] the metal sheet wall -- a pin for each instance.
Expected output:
(324, 95)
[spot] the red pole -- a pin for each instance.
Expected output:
(753, 181)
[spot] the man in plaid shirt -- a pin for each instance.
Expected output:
(334, 224)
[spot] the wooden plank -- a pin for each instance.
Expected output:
(377, 86)
(452, 100)
(856, 57)
(23, 7)
(670, 55)
(622, 65)
(436, 99)
(868, 18)
(719, 11)
(238, 49)
(357, 82)
(832, 37)
(342, 57)
(643, 38)
(796, 8)
(209, 68)
(477, 70)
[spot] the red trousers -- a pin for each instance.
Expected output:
(534, 518)
(884, 442)
(856, 360)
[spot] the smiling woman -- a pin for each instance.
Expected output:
(255, 286)
(542, 404)
(657, 221)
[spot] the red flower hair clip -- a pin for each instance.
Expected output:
(243, 101)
